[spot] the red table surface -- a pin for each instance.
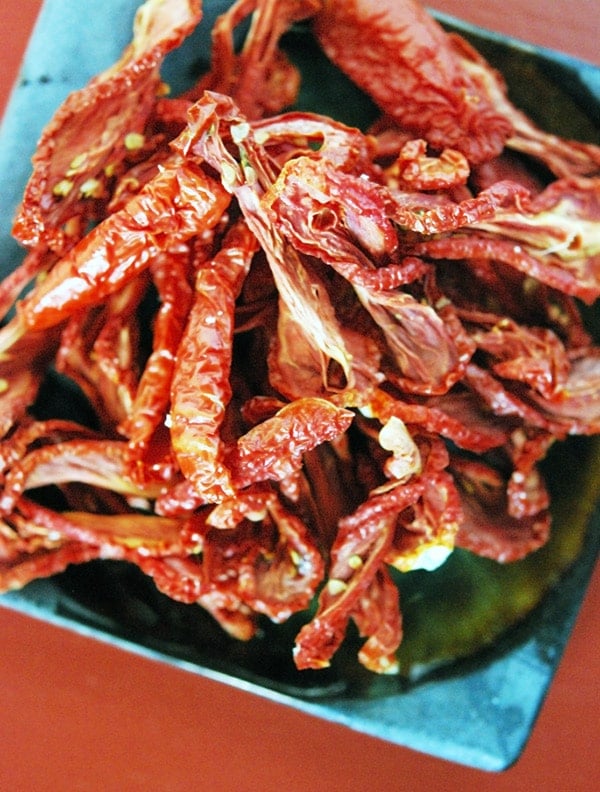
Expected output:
(76, 714)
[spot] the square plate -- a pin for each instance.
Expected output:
(478, 711)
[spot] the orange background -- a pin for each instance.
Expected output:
(76, 714)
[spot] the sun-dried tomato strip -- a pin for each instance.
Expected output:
(455, 416)
(270, 451)
(487, 528)
(22, 370)
(532, 355)
(116, 535)
(378, 618)
(26, 567)
(100, 463)
(35, 263)
(307, 299)
(562, 157)
(151, 400)
(415, 170)
(431, 354)
(179, 203)
(364, 540)
(273, 449)
(95, 126)
(99, 351)
(200, 388)
(427, 91)
(259, 77)
(31, 433)
(348, 581)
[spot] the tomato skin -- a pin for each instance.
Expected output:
(180, 202)
(200, 386)
(259, 77)
(487, 527)
(403, 59)
(88, 136)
